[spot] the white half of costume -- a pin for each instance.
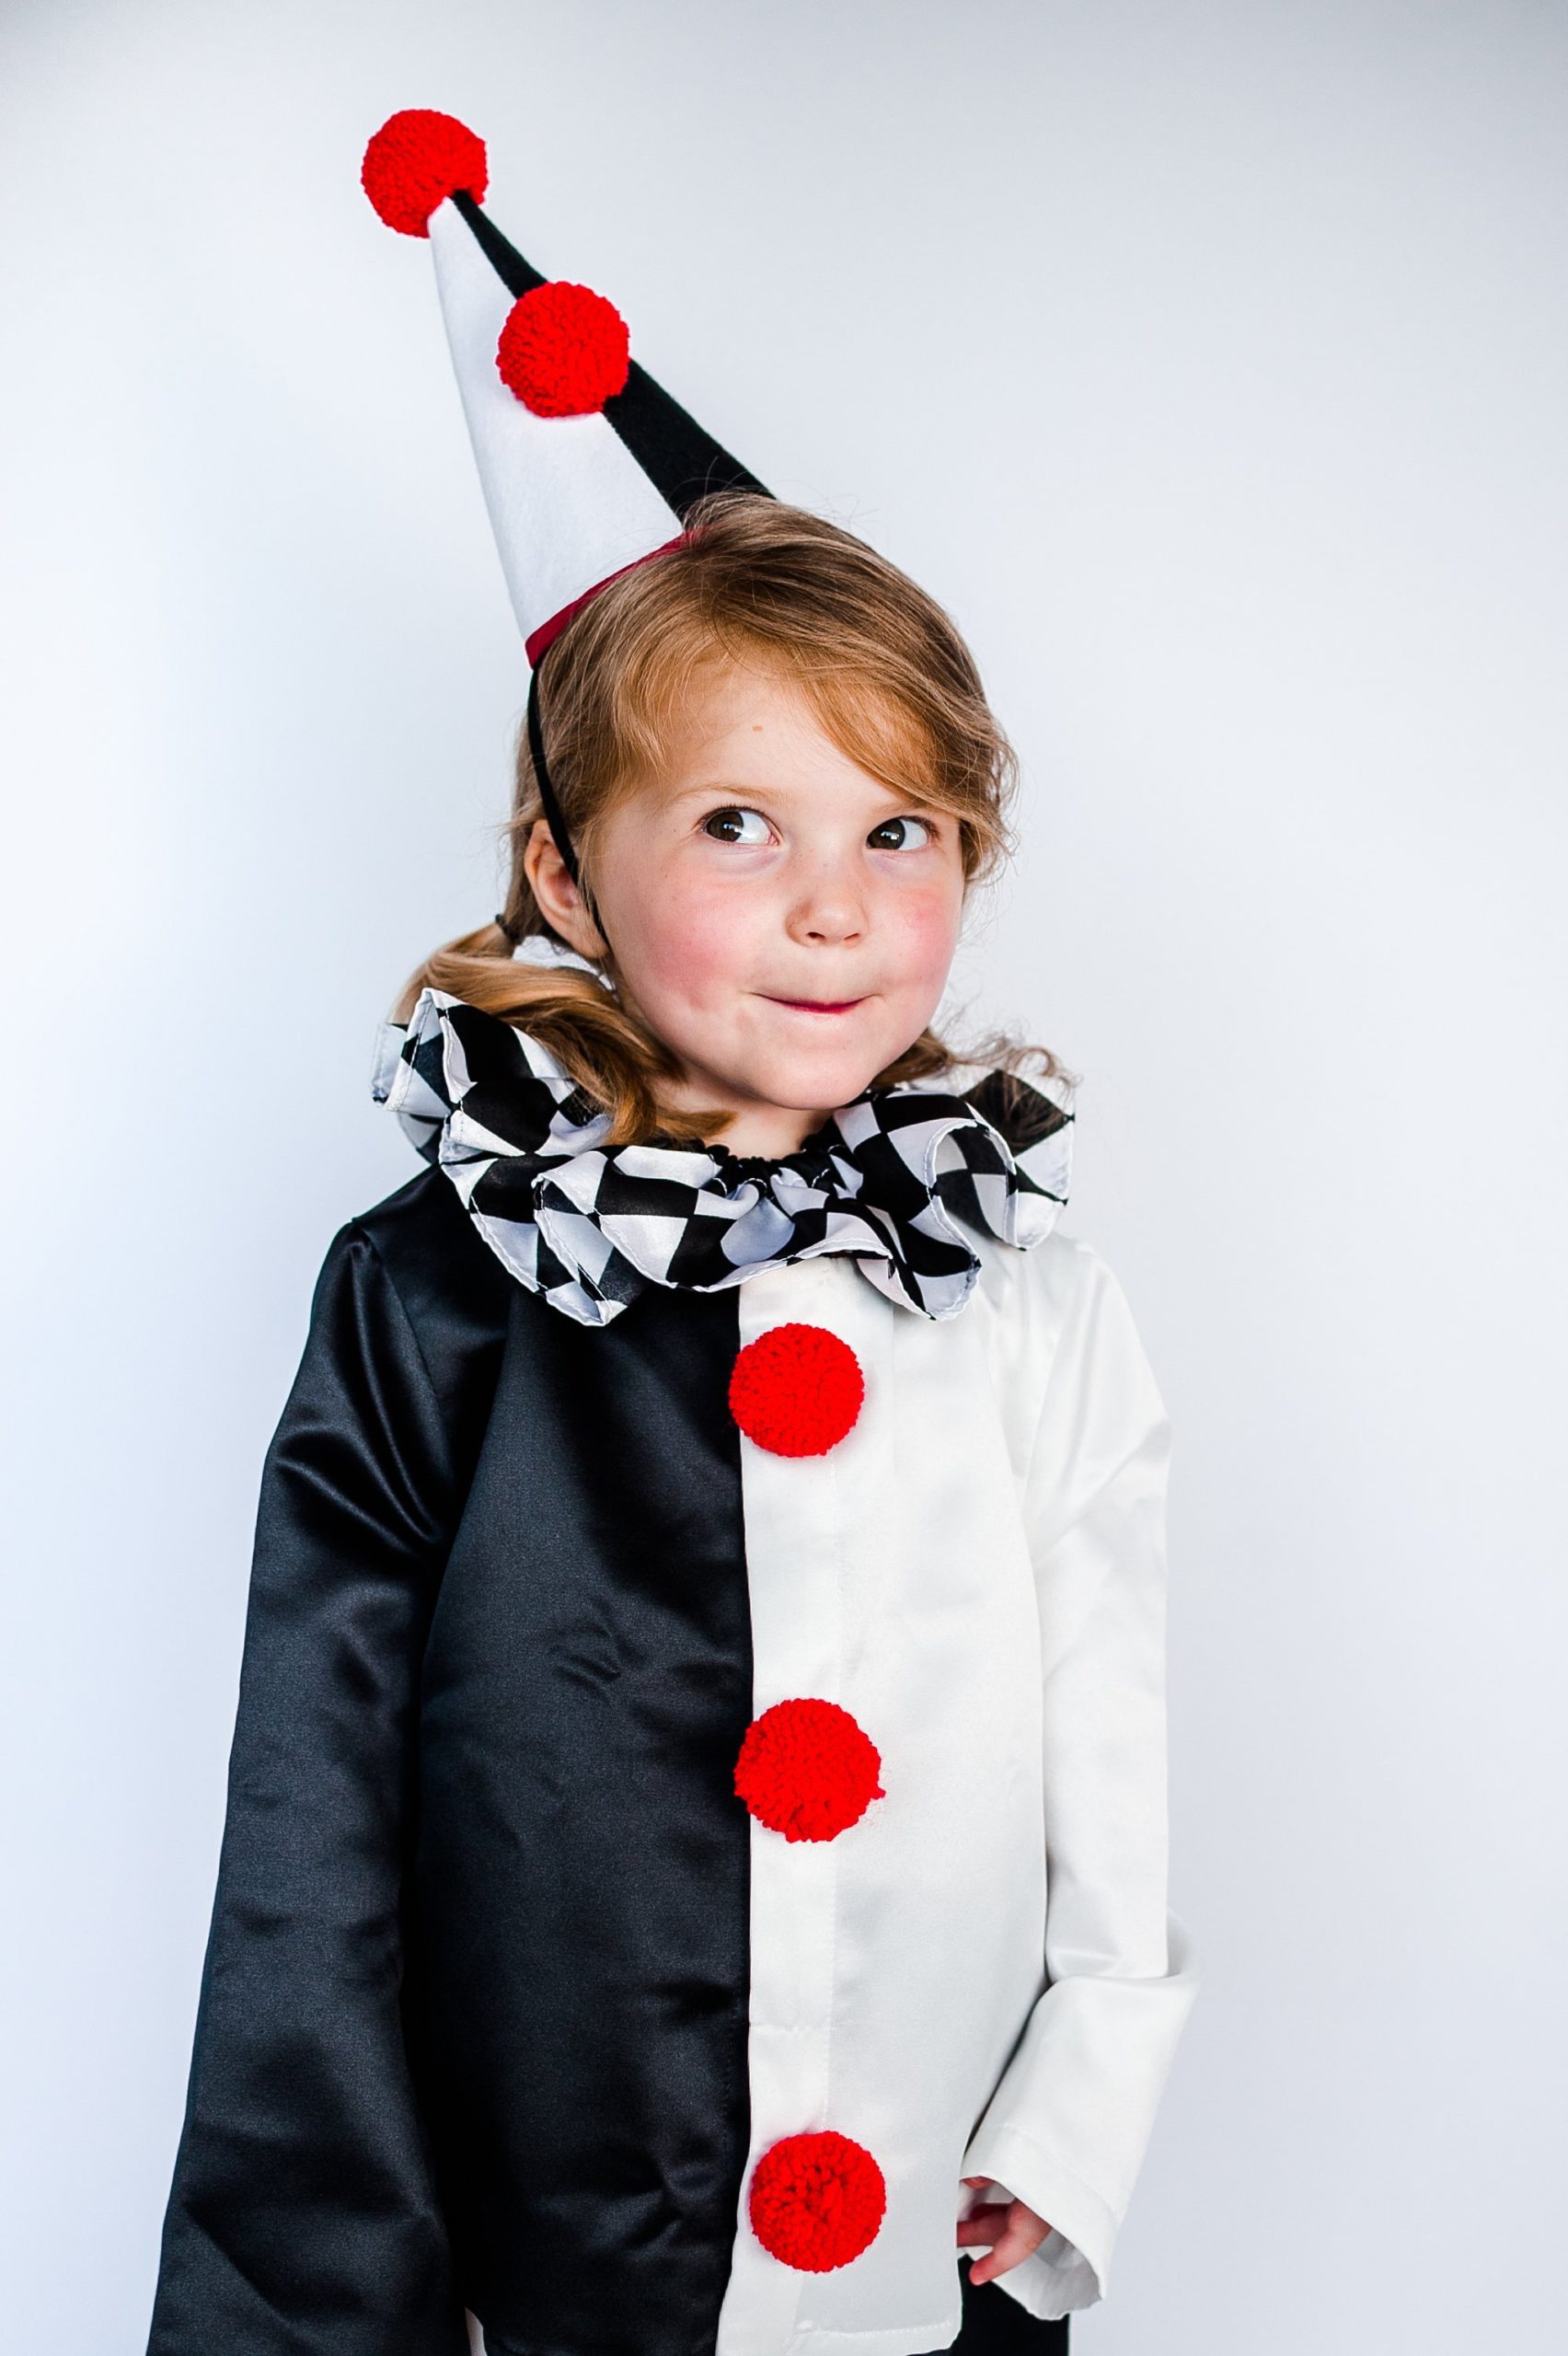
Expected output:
(980, 1977)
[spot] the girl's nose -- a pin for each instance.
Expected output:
(830, 909)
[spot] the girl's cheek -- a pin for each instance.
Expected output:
(926, 926)
(692, 943)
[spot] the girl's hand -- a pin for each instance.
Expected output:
(1013, 2230)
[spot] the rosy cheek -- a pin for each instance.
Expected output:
(925, 925)
(692, 945)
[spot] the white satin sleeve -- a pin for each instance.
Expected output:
(1067, 2126)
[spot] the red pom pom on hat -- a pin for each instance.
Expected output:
(796, 1389)
(563, 349)
(808, 1768)
(816, 2201)
(415, 161)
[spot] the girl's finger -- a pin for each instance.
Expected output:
(986, 2224)
(1021, 2238)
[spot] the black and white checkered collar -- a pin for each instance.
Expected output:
(888, 1179)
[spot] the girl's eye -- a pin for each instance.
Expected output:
(736, 827)
(900, 834)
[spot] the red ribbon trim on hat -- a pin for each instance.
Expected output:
(537, 641)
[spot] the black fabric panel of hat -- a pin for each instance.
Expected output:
(679, 456)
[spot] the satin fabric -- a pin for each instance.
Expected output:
(976, 1978)
(505, 1991)
(472, 2026)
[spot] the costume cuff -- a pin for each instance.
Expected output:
(1072, 2265)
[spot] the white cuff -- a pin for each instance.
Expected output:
(1072, 2265)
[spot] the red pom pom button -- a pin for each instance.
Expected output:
(415, 161)
(796, 1389)
(808, 1768)
(564, 350)
(816, 2201)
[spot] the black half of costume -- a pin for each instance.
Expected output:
(435, 1785)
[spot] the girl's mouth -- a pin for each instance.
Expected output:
(820, 1005)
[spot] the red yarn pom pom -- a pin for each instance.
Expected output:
(416, 160)
(796, 1389)
(808, 1768)
(816, 2201)
(564, 350)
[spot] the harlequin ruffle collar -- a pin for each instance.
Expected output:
(892, 1179)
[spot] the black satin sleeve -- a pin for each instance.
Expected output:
(302, 2214)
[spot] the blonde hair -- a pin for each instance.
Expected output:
(753, 582)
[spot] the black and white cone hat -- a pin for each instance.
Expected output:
(587, 465)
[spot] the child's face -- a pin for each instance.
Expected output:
(780, 919)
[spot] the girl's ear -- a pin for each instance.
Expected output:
(559, 901)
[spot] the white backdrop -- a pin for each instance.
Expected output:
(1209, 361)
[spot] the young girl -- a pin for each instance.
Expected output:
(696, 1848)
